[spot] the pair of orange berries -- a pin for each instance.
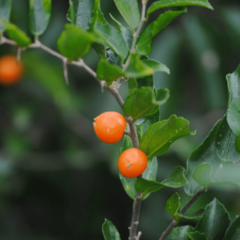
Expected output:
(110, 127)
(10, 70)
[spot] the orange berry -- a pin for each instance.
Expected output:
(110, 126)
(10, 70)
(132, 162)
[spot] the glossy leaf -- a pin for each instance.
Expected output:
(156, 66)
(113, 38)
(150, 173)
(205, 153)
(203, 174)
(5, 7)
(110, 232)
(233, 81)
(137, 68)
(74, 42)
(233, 231)
(233, 115)
(142, 124)
(82, 11)
(17, 35)
(173, 204)
(130, 11)
(228, 174)
(175, 180)
(126, 33)
(197, 236)
(214, 221)
(178, 3)
(225, 142)
(39, 16)
(144, 42)
(141, 103)
(159, 136)
(108, 72)
(180, 233)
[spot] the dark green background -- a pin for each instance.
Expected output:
(57, 180)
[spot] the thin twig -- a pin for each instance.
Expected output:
(136, 34)
(168, 230)
(184, 210)
(135, 217)
(65, 71)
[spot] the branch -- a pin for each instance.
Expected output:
(135, 217)
(115, 92)
(136, 34)
(184, 210)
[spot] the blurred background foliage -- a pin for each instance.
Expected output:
(57, 180)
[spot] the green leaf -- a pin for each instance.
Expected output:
(203, 174)
(5, 8)
(39, 16)
(141, 103)
(233, 231)
(126, 33)
(144, 42)
(233, 115)
(74, 42)
(175, 180)
(132, 85)
(197, 236)
(227, 174)
(108, 72)
(113, 38)
(156, 66)
(142, 124)
(159, 136)
(237, 144)
(17, 35)
(145, 81)
(179, 216)
(233, 81)
(82, 12)
(225, 142)
(205, 153)
(163, 95)
(150, 173)
(130, 11)
(173, 204)
(137, 68)
(178, 3)
(214, 221)
(180, 233)
(112, 57)
(100, 49)
(110, 232)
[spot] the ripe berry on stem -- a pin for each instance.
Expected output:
(110, 126)
(10, 70)
(132, 162)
